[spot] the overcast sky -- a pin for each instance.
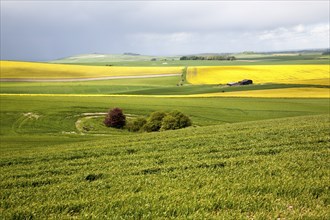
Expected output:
(45, 30)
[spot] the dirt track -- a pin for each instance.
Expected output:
(84, 79)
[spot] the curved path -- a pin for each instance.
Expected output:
(84, 79)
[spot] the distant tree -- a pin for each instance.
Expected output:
(327, 52)
(115, 118)
(231, 58)
(215, 57)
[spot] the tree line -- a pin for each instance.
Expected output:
(157, 121)
(217, 57)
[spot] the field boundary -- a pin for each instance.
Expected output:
(320, 93)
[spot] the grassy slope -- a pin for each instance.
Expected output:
(242, 59)
(90, 87)
(57, 115)
(266, 170)
(275, 61)
(104, 58)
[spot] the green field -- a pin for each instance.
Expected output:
(242, 59)
(148, 86)
(32, 120)
(261, 170)
(243, 158)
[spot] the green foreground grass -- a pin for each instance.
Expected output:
(252, 170)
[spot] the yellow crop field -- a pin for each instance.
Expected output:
(32, 70)
(289, 74)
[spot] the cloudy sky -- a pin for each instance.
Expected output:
(45, 30)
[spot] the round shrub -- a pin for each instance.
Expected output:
(168, 123)
(181, 120)
(154, 122)
(136, 125)
(115, 118)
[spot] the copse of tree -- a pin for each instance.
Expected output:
(154, 122)
(157, 121)
(161, 121)
(181, 120)
(168, 123)
(218, 57)
(115, 118)
(136, 125)
(327, 52)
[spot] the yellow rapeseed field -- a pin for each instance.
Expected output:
(289, 74)
(32, 70)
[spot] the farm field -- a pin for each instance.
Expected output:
(47, 120)
(257, 152)
(276, 93)
(32, 70)
(265, 170)
(314, 80)
(289, 74)
(297, 80)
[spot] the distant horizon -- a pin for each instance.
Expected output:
(176, 55)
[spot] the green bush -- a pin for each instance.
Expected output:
(154, 122)
(168, 123)
(136, 125)
(159, 121)
(175, 120)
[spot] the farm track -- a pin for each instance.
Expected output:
(85, 79)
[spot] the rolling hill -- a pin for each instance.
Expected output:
(265, 170)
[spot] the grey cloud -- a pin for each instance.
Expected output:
(41, 30)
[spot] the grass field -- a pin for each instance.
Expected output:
(90, 87)
(266, 170)
(147, 86)
(104, 58)
(51, 116)
(276, 93)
